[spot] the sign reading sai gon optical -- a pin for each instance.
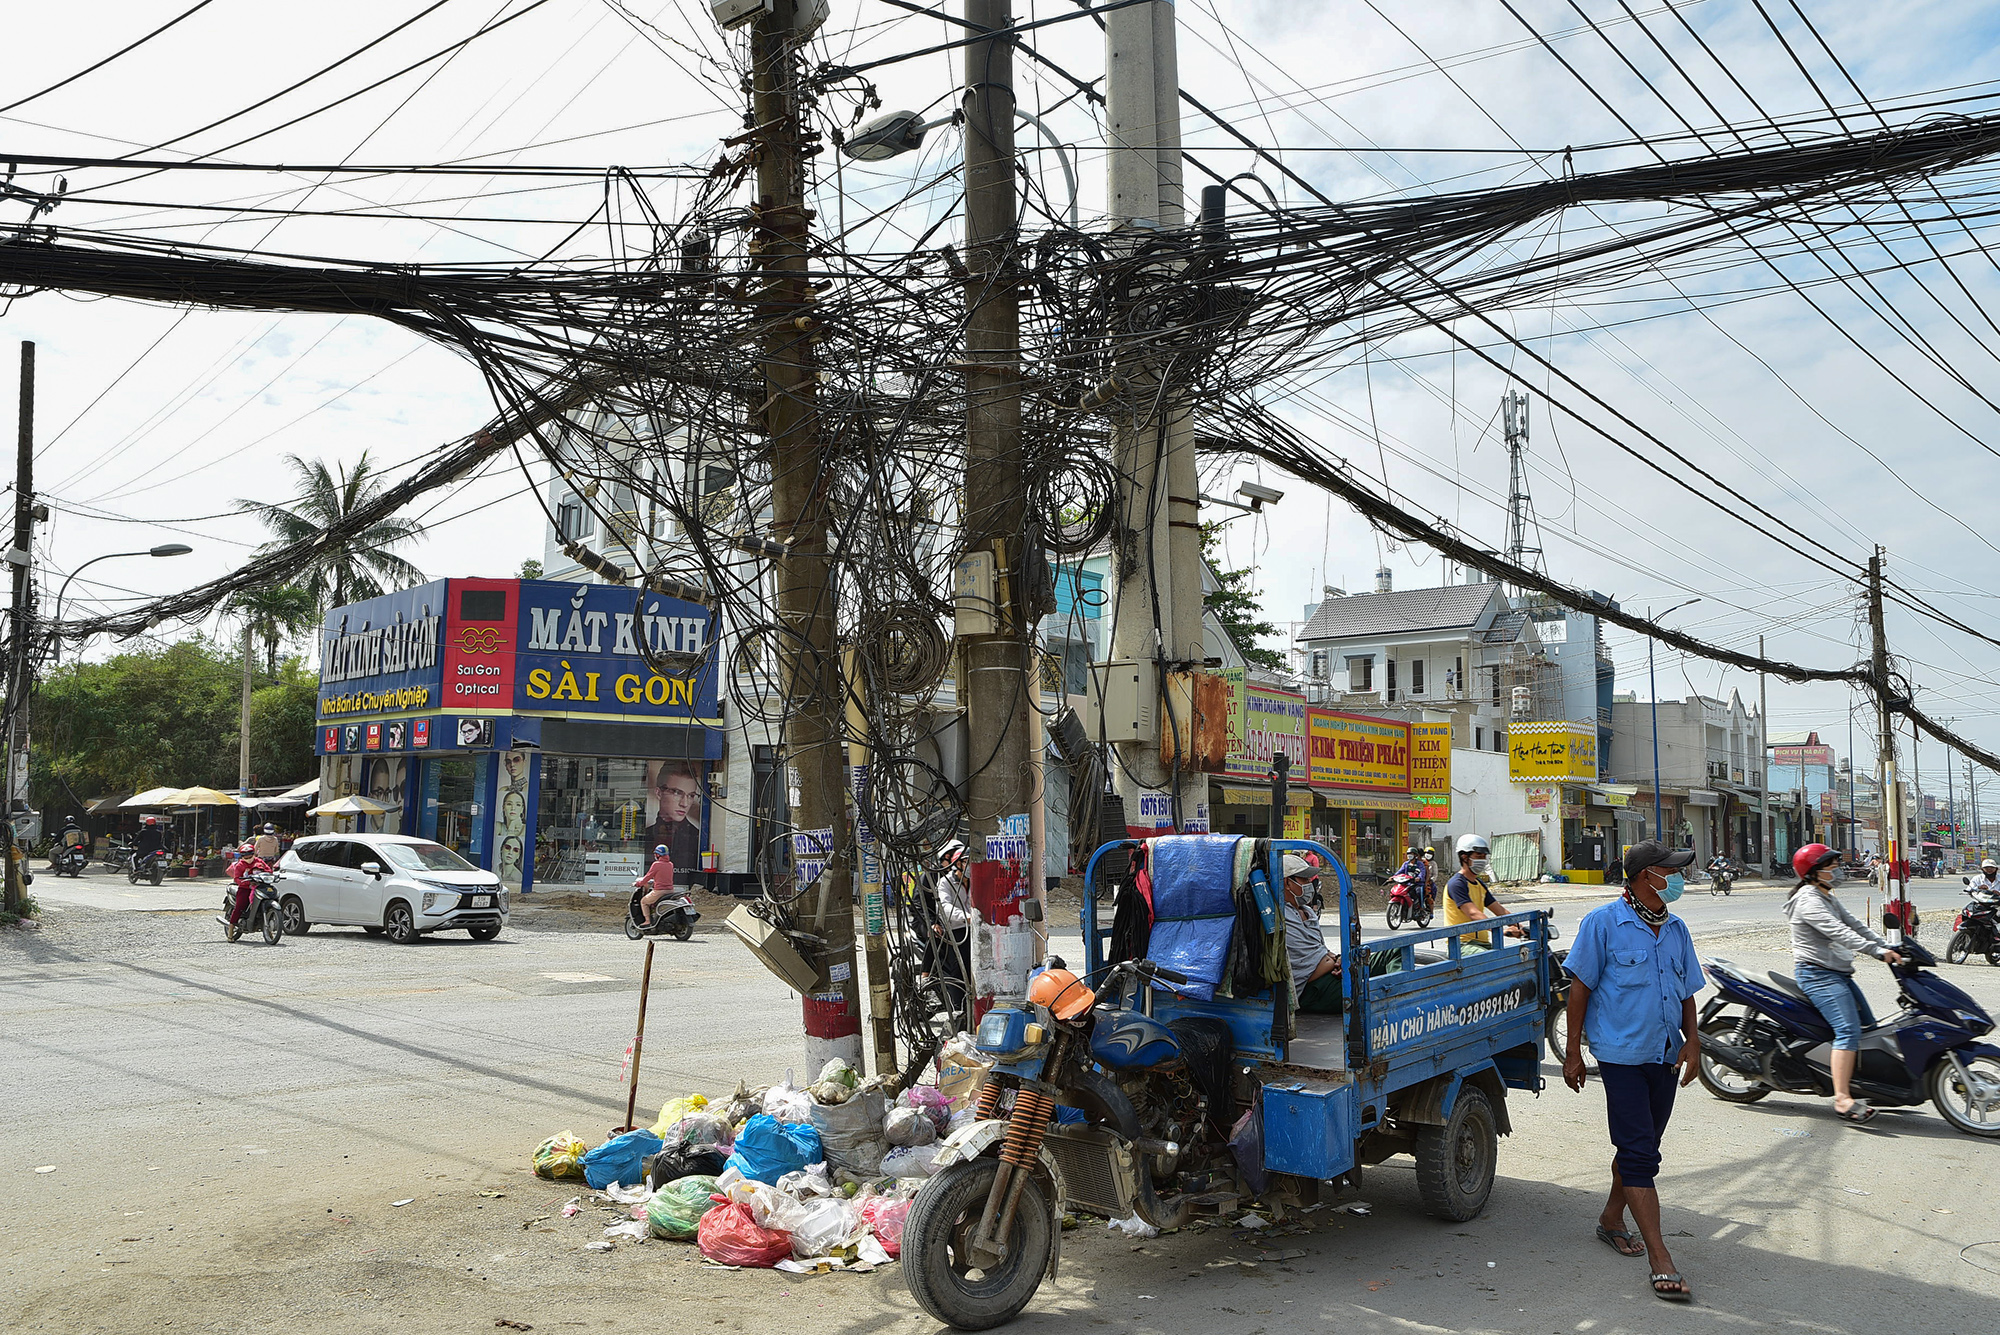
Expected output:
(511, 646)
(1551, 752)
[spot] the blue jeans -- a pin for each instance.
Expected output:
(1839, 1000)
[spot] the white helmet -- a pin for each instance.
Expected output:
(950, 853)
(1475, 844)
(1989, 865)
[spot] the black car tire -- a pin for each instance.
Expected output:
(1455, 1162)
(295, 917)
(400, 924)
(486, 931)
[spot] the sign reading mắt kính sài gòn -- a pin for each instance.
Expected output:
(1359, 753)
(1539, 752)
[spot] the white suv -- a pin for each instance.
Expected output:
(393, 883)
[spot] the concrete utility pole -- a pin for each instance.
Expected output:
(810, 666)
(998, 675)
(243, 739)
(1157, 612)
(1764, 769)
(1885, 735)
(20, 557)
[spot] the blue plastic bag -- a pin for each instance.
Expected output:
(767, 1149)
(620, 1159)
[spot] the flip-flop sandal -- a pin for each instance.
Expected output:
(1860, 1114)
(1611, 1237)
(1680, 1295)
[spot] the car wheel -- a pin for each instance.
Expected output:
(400, 924)
(486, 931)
(295, 917)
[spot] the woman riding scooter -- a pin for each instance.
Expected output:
(1825, 938)
(660, 876)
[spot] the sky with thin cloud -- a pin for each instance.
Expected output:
(154, 421)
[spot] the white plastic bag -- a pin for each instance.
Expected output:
(810, 1181)
(910, 1160)
(823, 1225)
(787, 1102)
(909, 1126)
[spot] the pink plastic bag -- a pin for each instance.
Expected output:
(886, 1216)
(728, 1235)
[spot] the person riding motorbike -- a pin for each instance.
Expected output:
(1825, 938)
(70, 836)
(151, 839)
(247, 864)
(1988, 880)
(661, 877)
(268, 846)
(1420, 870)
(1469, 897)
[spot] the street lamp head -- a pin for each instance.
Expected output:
(171, 549)
(1258, 494)
(887, 136)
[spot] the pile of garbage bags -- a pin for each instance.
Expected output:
(803, 1178)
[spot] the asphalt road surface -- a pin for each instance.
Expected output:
(333, 1134)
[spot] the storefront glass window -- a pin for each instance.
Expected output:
(600, 818)
(1375, 853)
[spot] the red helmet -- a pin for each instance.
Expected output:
(1811, 858)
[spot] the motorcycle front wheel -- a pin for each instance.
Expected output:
(1973, 1109)
(1960, 948)
(1394, 915)
(937, 1261)
(274, 925)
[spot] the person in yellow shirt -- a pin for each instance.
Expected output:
(1469, 897)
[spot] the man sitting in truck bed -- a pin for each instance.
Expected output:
(1315, 969)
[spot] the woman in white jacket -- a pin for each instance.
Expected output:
(1825, 940)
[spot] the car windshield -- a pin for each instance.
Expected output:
(426, 857)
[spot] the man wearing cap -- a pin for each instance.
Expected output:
(1635, 977)
(1315, 969)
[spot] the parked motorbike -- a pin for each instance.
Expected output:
(1976, 930)
(1408, 901)
(71, 859)
(1555, 1025)
(1929, 1050)
(263, 913)
(673, 916)
(146, 867)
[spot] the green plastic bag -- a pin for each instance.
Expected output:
(560, 1156)
(676, 1209)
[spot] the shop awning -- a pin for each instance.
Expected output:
(306, 789)
(97, 806)
(1238, 795)
(1612, 794)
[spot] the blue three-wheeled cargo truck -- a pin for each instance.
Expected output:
(1170, 1077)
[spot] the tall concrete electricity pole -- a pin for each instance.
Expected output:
(1157, 609)
(799, 500)
(999, 675)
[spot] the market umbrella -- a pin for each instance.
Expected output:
(152, 797)
(197, 797)
(350, 806)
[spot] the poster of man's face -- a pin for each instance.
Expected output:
(673, 792)
(385, 787)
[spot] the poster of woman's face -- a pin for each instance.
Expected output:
(514, 770)
(385, 788)
(510, 860)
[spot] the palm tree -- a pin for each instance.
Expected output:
(352, 568)
(275, 612)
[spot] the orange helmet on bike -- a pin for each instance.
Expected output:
(1062, 992)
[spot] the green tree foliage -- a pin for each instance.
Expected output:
(531, 570)
(166, 714)
(346, 570)
(1238, 607)
(276, 613)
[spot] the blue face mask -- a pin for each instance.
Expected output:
(1671, 891)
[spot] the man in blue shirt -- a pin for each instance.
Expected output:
(1635, 976)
